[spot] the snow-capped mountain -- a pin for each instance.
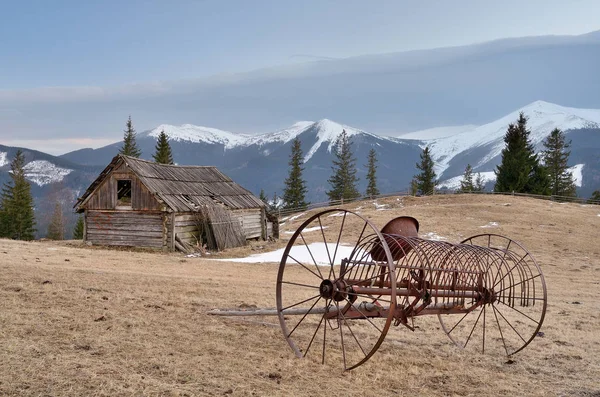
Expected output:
(198, 134)
(542, 118)
(260, 161)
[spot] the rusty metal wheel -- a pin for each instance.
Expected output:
(511, 306)
(330, 300)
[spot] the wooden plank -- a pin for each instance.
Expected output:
(186, 229)
(115, 215)
(157, 245)
(139, 235)
(125, 228)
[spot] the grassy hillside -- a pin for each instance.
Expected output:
(78, 320)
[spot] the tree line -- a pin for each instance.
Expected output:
(521, 170)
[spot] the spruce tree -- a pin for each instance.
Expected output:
(16, 204)
(479, 183)
(426, 179)
(162, 151)
(372, 189)
(520, 169)
(555, 158)
(78, 230)
(596, 195)
(343, 181)
(295, 190)
(466, 184)
(263, 197)
(129, 147)
(56, 228)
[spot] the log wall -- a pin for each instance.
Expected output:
(126, 228)
(251, 221)
(186, 227)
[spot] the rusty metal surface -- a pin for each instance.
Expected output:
(488, 291)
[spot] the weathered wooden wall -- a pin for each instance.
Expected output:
(251, 221)
(126, 228)
(186, 227)
(105, 197)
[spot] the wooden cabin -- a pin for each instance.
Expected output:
(140, 203)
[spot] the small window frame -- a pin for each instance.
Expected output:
(124, 196)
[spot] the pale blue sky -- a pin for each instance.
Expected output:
(78, 68)
(99, 43)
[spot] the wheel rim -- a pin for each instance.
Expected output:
(341, 323)
(514, 315)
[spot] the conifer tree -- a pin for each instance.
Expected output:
(413, 189)
(520, 169)
(263, 197)
(162, 151)
(78, 230)
(372, 189)
(129, 147)
(56, 228)
(596, 195)
(466, 184)
(16, 203)
(295, 190)
(555, 158)
(343, 181)
(426, 179)
(479, 183)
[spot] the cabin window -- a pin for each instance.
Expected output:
(124, 193)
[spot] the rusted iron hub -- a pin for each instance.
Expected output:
(337, 290)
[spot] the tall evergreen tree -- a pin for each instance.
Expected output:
(263, 197)
(129, 147)
(56, 228)
(295, 190)
(16, 204)
(466, 184)
(162, 151)
(426, 179)
(520, 169)
(596, 195)
(343, 181)
(372, 189)
(479, 183)
(555, 158)
(78, 230)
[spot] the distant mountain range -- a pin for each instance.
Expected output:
(261, 161)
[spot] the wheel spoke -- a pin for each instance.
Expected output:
(314, 334)
(366, 318)
(500, 329)
(352, 333)
(303, 317)
(326, 246)
(299, 284)
(301, 264)
(473, 329)
(337, 304)
(311, 255)
(337, 244)
(511, 326)
(520, 312)
(301, 302)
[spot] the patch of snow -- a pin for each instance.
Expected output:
(197, 134)
(42, 172)
(454, 183)
(379, 206)
(336, 214)
(577, 172)
(3, 159)
(301, 253)
(308, 229)
(434, 236)
(437, 132)
(297, 216)
(543, 117)
(358, 208)
(491, 224)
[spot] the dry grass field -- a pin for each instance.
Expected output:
(87, 321)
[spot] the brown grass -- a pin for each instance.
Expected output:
(80, 321)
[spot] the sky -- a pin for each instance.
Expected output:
(56, 49)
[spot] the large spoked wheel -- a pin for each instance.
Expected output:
(333, 300)
(513, 312)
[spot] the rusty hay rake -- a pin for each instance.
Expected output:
(340, 287)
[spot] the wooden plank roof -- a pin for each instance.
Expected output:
(182, 188)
